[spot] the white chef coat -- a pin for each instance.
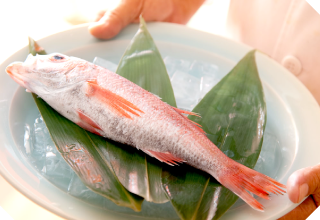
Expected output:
(286, 30)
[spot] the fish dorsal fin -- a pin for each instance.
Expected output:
(198, 126)
(118, 104)
(186, 112)
(165, 157)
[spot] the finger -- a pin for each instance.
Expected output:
(115, 20)
(185, 10)
(316, 199)
(99, 15)
(304, 182)
(157, 10)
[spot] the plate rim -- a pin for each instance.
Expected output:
(157, 30)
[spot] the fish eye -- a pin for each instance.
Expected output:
(58, 57)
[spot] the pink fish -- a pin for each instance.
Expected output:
(109, 105)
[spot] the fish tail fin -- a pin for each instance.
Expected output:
(241, 180)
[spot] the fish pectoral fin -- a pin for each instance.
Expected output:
(118, 104)
(165, 157)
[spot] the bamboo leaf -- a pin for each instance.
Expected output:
(34, 47)
(79, 149)
(143, 65)
(139, 173)
(233, 114)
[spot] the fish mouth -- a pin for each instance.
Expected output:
(13, 71)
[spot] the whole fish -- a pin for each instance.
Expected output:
(109, 105)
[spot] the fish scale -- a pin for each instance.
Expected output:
(109, 105)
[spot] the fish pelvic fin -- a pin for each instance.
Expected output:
(118, 104)
(88, 127)
(86, 119)
(241, 180)
(87, 123)
(165, 157)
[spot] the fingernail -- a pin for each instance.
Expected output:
(304, 189)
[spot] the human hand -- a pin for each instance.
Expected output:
(109, 23)
(300, 184)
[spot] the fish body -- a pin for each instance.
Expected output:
(109, 105)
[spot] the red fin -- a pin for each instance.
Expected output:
(87, 120)
(198, 126)
(116, 102)
(88, 127)
(241, 180)
(186, 112)
(165, 157)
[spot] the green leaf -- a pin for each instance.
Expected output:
(34, 47)
(233, 114)
(81, 150)
(143, 65)
(139, 173)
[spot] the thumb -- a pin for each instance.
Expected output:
(113, 21)
(304, 182)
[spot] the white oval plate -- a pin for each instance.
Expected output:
(293, 114)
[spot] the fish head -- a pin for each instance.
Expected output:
(47, 73)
